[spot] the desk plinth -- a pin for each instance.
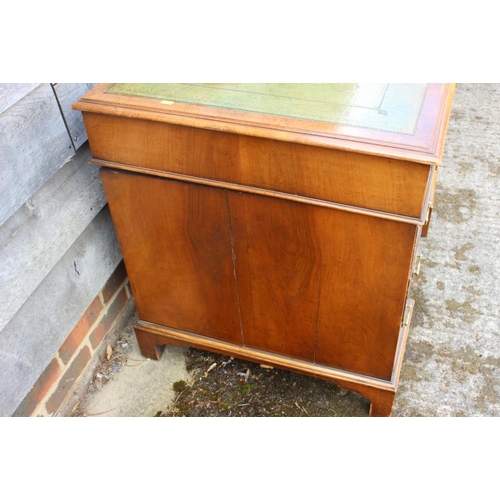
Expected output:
(275, 223)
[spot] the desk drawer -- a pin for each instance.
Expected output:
(359, 180)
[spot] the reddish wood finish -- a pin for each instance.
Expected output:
(176, 247)
(373, 182)
(148, 344)
(318, 272)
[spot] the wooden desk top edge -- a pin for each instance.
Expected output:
(426, 146)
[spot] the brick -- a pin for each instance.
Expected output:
(114, 282)
(75, 338)
(97, 336)
(114, 309)
(39, 390)
(70, 376)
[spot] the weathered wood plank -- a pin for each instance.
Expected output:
(10, 93)
(35, 333)
(34, 144)
(67, 94)
(34, 239)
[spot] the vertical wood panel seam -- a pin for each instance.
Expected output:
(233, 255)
(52, 86)
(317, 313)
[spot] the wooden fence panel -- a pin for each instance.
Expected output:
(33, 336)
(34, 144)
(35, 238)
(10, 93)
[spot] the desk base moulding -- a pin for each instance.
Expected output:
(381, 393)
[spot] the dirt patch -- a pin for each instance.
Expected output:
(457, 207)
(465, 310)
(117, 355)
(460, 251)
(227, 387)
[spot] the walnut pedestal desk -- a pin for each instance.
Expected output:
(276, 223)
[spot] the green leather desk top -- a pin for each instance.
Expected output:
(399, 120)
(387, 107)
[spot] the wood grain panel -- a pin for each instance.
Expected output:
(309, 282)
(384, 184)
(176, 245)
(277, 266)
(359, 320)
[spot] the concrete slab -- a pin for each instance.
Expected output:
(137, 386)
(452, 360)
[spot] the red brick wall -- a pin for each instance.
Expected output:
(56, 389)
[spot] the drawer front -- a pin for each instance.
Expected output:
(364, 181)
